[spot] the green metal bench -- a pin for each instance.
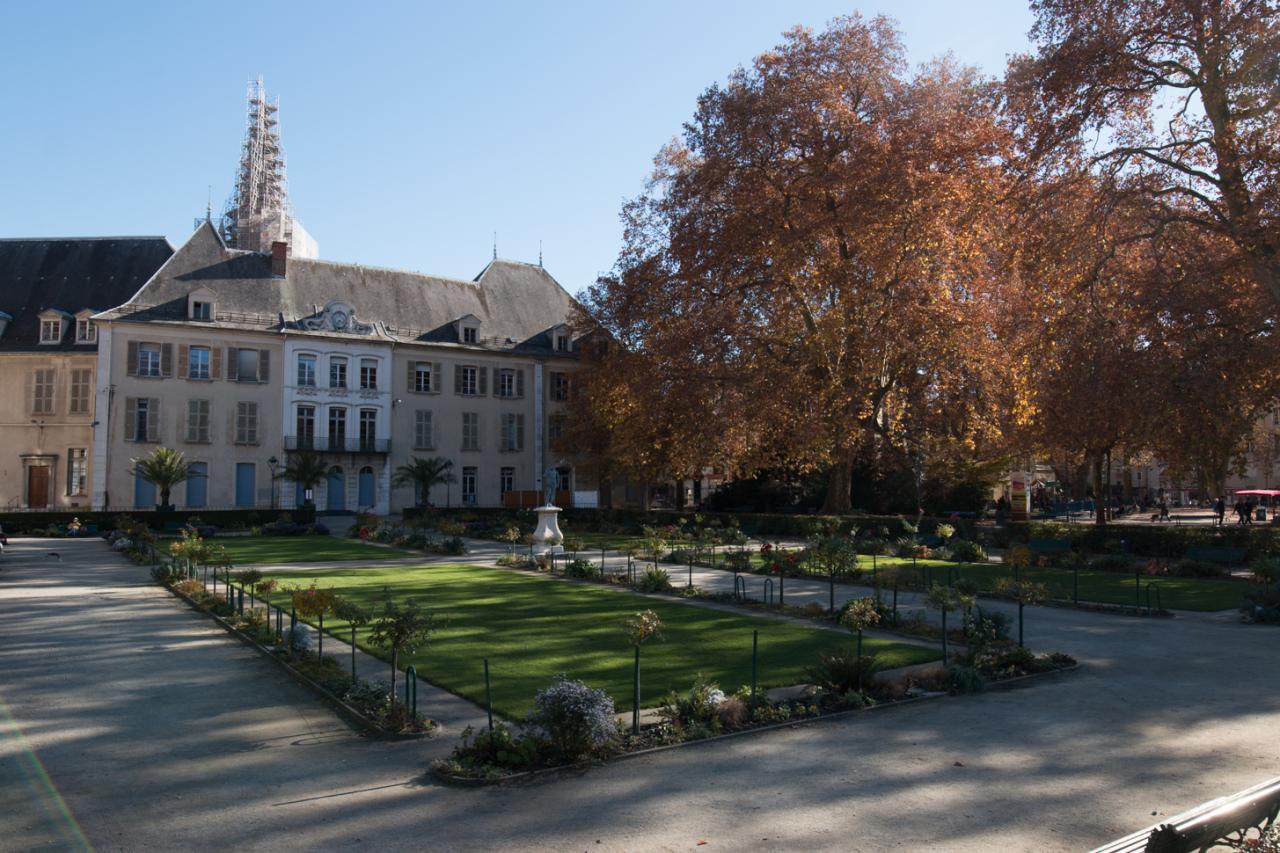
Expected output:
(1216, 554)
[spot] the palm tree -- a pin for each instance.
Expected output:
(165, 468)
(422, 474)
(305, 468)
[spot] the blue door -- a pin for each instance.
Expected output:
(299, 494)
(336, 500)
(366, 487)
(245, 483)
(198, 485)
(144, 492)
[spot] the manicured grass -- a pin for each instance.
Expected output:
(250, 550)
(533, 628)
(1201, 594)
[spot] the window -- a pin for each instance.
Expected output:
(555, 427)
(198, 363)
(369, 374)
(50, 331)
(42, 391)
(559, 386)
(142, 419)
(148, 360)
(506, 481)
(337, 372)
(512, 432)
(337, 427)
(247, 364)
(563, 344)
(423, 438)
(470, 335)
(421, 378)
(307, 371)
(469, 485)
(198, 421)
(306, 427)
(201, 311)
(510, 383)
(77, 471)
(80, 384)
(470, 431)
(368, 429)
(86, 333)
(467, 383)
(246, 423)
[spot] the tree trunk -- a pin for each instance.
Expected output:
(1099, 491)
(839, 497)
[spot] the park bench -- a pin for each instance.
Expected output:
(1216, 554)
(1039, 547)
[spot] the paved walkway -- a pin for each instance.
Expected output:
(135, 721)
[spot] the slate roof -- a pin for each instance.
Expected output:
(517, 304)
(70, 274)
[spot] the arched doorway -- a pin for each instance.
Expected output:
(365, 491)
(336, 499)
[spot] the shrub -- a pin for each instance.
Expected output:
(964, 679)
(841, 672)
(1113, 563)
(654, 580)
(1197, 569)
(162, 573)
(574, 720)
(190, 588)
(967, 551)
(496, 748)
(731, 713)
(697, 708)
(580, 569)
(297, 638)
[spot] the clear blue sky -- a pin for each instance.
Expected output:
(413, 130)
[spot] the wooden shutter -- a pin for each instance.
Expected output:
(184, 358)
(233, 364)
(130, 418)
(519, 432)
(484, 381)
(215, 362)
(153, 419)
(520, 382)
(413, 375)
(132, 358)
(457, 379)
(166, 360)
(264, 365)
(437, 377)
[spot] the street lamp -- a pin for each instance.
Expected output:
(272, 463)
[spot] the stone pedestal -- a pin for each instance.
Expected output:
(547, 536)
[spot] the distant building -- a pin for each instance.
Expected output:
(49, 383)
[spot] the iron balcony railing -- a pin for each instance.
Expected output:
(337, 444)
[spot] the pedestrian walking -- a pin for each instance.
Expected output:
(1220, 509)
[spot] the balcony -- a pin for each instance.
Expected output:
(336, 444)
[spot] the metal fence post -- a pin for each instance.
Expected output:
(488, 694)
(755, 650)
(411, 690)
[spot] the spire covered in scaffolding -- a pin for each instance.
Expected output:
(258, 212)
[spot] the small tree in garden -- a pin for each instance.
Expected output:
(944, 599)
(1024, 592)
(639, 629)
(402, 627)
(945, 532)
(655, 543)
(354, 615)
(305, 468)
(314, 603)
(1265, 570)
(249, 578)
(858, 616)
(422, 474)
(1017, 558)
(512, 536)
(190, 549)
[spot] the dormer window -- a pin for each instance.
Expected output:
(201, 310)
(468, 328)
(51, 331)
(470, 334)
(86, 332)
(200, 305)
(563, 344)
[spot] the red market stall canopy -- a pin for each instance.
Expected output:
(1271, 493)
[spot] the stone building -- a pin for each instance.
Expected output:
(239, 358)
(49, 291)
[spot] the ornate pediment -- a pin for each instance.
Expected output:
(336, 317)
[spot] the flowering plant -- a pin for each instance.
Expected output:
(575, 720)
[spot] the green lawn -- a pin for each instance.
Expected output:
(250, 550)
(1203, 594)
(533, 628)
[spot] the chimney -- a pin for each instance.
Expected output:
(279, 258)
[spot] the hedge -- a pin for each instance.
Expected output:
(1166, 541)
(37, 522)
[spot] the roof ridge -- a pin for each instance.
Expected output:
(81, 239)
